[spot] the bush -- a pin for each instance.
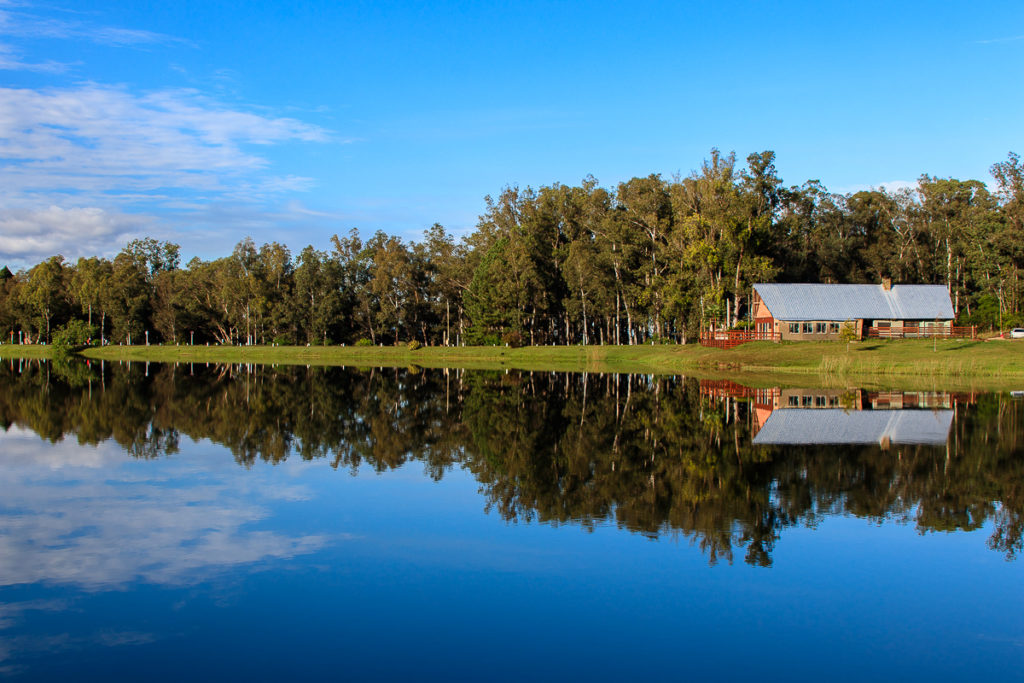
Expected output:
(364, 342)
(512, 339)
(71, 336)
(413, 345)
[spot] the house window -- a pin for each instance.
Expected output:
(819, 401)
(833, 328)
(806, 401)
(794, 401)
(794, 328)
(808, 328)
(819, 328)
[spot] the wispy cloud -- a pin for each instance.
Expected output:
(990, 41)
(17, 20)
(11, 60)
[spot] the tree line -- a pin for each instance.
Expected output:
(649, 454)
(650, 260)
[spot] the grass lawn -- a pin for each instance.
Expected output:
(911, 362)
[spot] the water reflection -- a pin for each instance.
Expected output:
(723, 465)
(808, 417)
(72, 515)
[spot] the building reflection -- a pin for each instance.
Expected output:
(843, 416)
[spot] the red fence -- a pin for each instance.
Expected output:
(921, 332)
(727, 339)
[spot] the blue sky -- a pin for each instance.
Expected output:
(203, 123)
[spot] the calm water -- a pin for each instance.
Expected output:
(161, 523)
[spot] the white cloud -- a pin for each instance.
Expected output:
(73, 159)
(31, 235)
(890, 186)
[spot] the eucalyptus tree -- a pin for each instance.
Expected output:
(646, 206)
(448, 280)
(316, 296)
(1009, 177)
(390, 288)
(353, 271)
(954, 212)
(709, 213)
(128, 297)
(89, 280)
(45, 292)
(274, 276)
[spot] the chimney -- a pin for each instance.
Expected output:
(887, 283)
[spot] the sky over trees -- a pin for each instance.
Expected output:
(199, 123)
(650, 259)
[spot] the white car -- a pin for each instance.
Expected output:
(1017, 333)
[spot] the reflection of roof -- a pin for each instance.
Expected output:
(852, 302)
(835, 425)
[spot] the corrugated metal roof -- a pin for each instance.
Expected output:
(837, 426)
(852, 302)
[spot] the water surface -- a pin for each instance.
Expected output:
(230, 522)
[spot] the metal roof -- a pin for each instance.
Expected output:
(837, 426)
(852, 302)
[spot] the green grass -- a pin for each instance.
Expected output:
(24, 351)
(994, 364)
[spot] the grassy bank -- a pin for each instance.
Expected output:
(994, 363)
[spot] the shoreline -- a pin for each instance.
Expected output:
(976, 363)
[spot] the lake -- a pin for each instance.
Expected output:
(237, 522)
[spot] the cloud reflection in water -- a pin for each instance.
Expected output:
(87, 516)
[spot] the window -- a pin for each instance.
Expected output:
(833, 328)
(794, 401)
(806, 401)
(808, 328)
(819, 401)
(819, 328)
(794, 328)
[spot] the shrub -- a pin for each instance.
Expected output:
(512, 339)
(71, 336)
(364, 342)
(413, 345)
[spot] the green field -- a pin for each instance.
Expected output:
(996, 364)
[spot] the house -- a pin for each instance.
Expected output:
(817, 311)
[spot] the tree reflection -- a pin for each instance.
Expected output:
(651, 455)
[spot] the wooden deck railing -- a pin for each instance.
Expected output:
(906, 332)
(727, 339)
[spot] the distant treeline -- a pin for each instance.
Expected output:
(650, 260)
